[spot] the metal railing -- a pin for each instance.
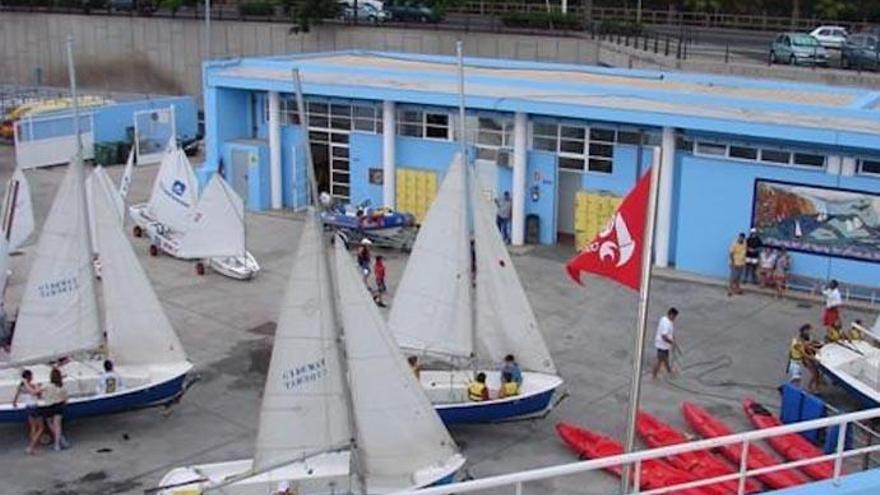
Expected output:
(635, 459)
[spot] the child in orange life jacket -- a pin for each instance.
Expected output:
(379, 273)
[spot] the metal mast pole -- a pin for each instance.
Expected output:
(207, 29)
(462, 143)
(461, 116)
(641, 331)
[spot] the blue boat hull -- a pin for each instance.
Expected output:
(488, 412)
(135, 399)
(865, 401)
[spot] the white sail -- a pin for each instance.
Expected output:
(138, 331)
(304, 408)
(125, 181)
(100, 180)
(398, 431)
(58, 313)
(175, 191)
(18, 211)
(432, 306)
(505, 322)
(216, 224)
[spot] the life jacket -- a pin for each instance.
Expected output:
(855, 334)
(796, 351)
(834, 334)
(509, 388)
(475, 391)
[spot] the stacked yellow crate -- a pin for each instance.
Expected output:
(591, 212)
(415, 191)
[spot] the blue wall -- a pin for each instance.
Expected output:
(541, 174)
(623, 173)
(111, 121)
(227, 117)
(715, 203)
(258, 193)
(365, 153)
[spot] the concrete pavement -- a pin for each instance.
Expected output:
(732, 348)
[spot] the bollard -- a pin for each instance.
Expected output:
(666, 50)
(656, 37)
(727, 53)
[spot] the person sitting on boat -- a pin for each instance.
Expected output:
(414, 366)
(477, 390)
(511, 366)
(109, 382)
(509, 387)
(29, 392)
(325, 200)
(834, 333)
(855, 331)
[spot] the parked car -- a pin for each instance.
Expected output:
(408, 10)
(861, 51)
(796, 49)
(830, 36)
(379, 5)
(141, 6)
(365, 13)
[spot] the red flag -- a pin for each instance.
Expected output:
(616, 252)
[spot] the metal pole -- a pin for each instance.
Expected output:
(641, 331)
(461, 113)
(71, 73)
(207, 29)
(304, 137)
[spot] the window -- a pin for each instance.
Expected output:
(869, 166)
(367, 118)
(601, 157)
(809, 160)
(684, 144)
(410, 123)
(775, 156)
(629, 137)
(423, 124)
(568, 163)
(437, 125)
(743, 152)
(492, 137)
(545, 136)
(711, 149)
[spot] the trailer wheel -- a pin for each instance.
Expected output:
(137, 231)
(154, 251)
(200, 268)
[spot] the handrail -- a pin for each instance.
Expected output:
(743, 439)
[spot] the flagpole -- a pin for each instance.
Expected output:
(642, 329)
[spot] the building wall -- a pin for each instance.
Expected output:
(715, 203)
(111, 121)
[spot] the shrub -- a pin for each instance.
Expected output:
(621, 27)
(542, 20)
(257, 8)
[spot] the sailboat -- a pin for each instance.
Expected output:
(186, 226)
(460, 324)
(18, 222)
(855, 365)
(59, 315)
(342, 412)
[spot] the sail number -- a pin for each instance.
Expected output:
(64, 286)
(306, 373)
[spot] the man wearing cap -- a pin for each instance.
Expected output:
(364, 258)
(753, 253)
(737, 260)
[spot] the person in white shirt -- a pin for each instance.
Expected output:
(664, 341)
(109, 382)
(833, 301)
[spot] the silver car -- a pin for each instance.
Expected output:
(797, 49)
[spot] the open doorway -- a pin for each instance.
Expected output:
(569, 184)
(330, 156)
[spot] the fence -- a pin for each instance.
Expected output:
(518, 480)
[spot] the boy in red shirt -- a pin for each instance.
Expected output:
(379, 271)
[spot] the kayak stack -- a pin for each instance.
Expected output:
(698, 465)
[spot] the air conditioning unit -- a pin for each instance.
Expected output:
(504, 158)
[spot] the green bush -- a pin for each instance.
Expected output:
(621, 27)
(542, 20)
(257, 8)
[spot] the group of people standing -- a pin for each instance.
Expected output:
(45, 403)
(753, 262)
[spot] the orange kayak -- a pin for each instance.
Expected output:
(702, 464)
(654, 473)
(792, 446)
(710, 427)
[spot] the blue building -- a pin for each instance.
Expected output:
(799, 161)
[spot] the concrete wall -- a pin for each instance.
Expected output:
(164, 55)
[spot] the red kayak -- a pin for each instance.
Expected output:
(710, 427)
(654, 474)
(792, 446)
(702, 464)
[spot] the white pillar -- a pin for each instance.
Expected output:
(275, 149)
(664, 198)
(518, 215)
(389, 166)
(833, 164)
(848, 166)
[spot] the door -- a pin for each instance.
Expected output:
(569, 185)
(487, 175)
(241, 162)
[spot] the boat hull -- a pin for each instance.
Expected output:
(239, 267)
(155, 393)
(845, 367)
(448, 392)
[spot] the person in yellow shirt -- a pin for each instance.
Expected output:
(509, 387)
(737, 260)
(477, 390)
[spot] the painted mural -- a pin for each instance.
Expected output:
(831, 222)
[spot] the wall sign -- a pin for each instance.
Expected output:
(819, 220)
(377, 176)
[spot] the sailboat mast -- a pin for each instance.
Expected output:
(343, 361)
(462, 142)
(79, 167)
